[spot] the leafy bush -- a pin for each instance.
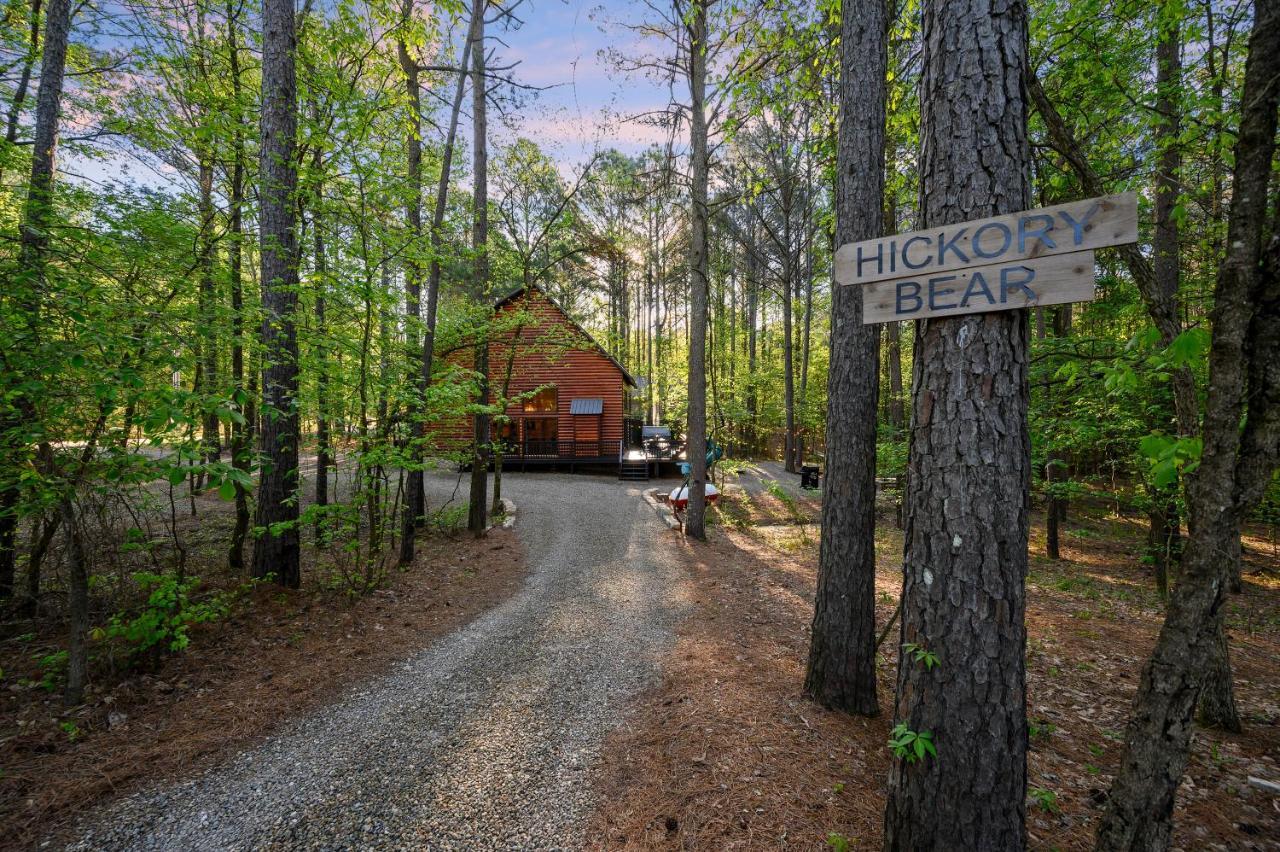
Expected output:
(167, 616)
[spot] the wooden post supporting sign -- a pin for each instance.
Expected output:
(1019, 260)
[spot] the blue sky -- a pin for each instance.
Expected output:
(562, 45)
(584, 105)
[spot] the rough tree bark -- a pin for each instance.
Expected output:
(968, 488)
(699, 164)
(276, 551)
(477, 515)
(842, 653)
(1139, 813)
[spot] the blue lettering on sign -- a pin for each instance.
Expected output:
(878, 258)
(913, 296)
(906, 247)
(945, 245)
(1078, 228)
(1041, 233)
(1004, 247)
(977, 284)
(936, 293)
(1009, 282)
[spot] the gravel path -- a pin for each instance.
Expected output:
(485, 740)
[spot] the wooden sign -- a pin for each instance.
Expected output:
(1037, 257)
(1052, 280)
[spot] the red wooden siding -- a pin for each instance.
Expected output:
(552, 351)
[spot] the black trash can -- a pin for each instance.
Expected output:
(809, 476)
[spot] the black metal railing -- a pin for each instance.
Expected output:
(548, 449)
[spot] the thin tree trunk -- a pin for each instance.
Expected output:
(1225, 486)
(695, 519)
(1164, 538)
(24, 78)
(415, 501)
(240, 432)
(476, 515)
(207, 333)
(324, 450)
(441, 206)
(968, 488)
(77, 604)
(276, 551)
(28, 287)
(842, 660)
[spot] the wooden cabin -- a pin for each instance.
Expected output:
(568, 395)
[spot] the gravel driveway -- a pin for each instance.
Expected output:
(487, 739)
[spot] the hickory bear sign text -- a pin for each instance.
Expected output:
(1037, 257)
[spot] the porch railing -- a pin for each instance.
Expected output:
(544, 449)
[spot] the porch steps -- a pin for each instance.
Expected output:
(633, 470)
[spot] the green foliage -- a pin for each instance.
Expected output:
(921, 655)
(911, 745)
(1039, 729)
(1045, 800)
(164, 622)
(53, 669)
(838, 842)
(1170, 458)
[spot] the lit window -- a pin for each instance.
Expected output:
(543, 401)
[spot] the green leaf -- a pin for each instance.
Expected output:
(227, 490)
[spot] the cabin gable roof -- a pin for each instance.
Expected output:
(513, 297)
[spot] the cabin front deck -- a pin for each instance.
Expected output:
(634, 461)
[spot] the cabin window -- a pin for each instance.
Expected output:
(506, 432)
(538, 429)
(542, 402)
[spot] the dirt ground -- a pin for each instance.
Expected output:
(279, 654)
(727, 753)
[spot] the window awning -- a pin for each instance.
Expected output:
(586, 406)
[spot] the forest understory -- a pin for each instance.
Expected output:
(273, 656)
(728, 753)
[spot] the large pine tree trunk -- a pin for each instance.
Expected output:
(965, 558)
(477, 516)
(276, 551)
(842, 653)
(1140, 809)
(695, 521)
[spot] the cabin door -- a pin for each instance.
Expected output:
(540, 436)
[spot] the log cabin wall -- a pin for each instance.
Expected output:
(550, 351)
